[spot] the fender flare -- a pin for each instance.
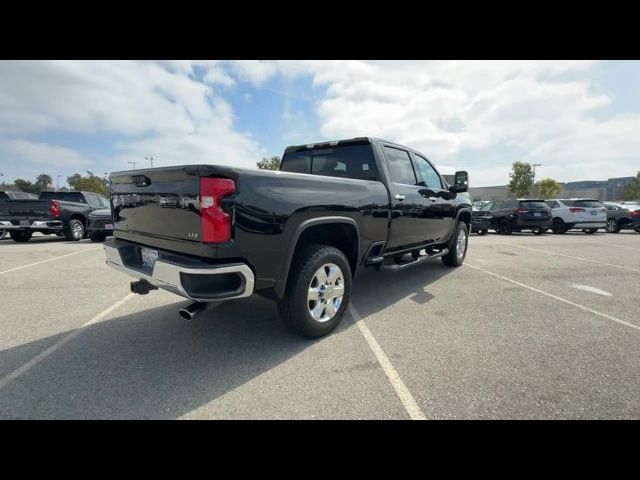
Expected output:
(281, 283)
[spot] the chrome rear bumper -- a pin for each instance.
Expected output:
(196, 283)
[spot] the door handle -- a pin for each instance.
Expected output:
(399, 197)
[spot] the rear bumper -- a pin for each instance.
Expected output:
(480, 224)
(182, 275)
(542, 223)
(34, 225)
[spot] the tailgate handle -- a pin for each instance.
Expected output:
(140, 180)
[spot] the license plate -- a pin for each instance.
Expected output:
(108, 226)
(25, 223)
(537, 214)
(149, 257)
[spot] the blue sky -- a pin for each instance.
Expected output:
(580, 119)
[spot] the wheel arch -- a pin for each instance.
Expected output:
(340, 232)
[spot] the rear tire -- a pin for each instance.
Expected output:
(458, 250)
(75, 230)
(505, 228)
(589, 231)
(20, 236)
(3, 233)
(295, 308)
(559, 226)
(612, 226)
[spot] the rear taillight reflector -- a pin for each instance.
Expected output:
(574, 210)
(520, 210)
(635, 213)
(215, 223)
(54, 209)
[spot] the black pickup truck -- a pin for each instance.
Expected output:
(62, 213)
(298, 235)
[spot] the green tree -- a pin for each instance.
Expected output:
(26, 186)
(44, 181)
(548, 188)
(632, 190)
(521, 178)
(89, 183)
(272, 163)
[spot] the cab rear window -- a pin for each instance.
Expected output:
(348, 161)
(533, 205)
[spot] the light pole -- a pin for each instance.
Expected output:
(134, 165)
(151, 159)
(58, 182)
(534, 165)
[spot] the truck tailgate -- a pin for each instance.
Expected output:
(25, 208)
(162, 203)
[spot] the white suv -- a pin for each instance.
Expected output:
(577, 213)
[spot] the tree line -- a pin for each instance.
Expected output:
(43, 182)
(521, 183)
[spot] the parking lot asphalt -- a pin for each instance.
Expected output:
(530, 327)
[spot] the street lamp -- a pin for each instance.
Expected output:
(534, 165)
(134, 165)
(151, 159)
(58, 182)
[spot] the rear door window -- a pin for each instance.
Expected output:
(400, 166)
(587, 204)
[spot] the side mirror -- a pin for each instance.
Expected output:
(460, 182)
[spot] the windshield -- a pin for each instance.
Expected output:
(348, 161)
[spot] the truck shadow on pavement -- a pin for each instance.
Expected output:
(154, 364)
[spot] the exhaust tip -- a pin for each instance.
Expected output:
(190, 311)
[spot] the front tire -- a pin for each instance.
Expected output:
(318, 290)
(97, 236)
(458, 250)
(20, 236)
(75, 230)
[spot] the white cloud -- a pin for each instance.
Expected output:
(18, 151)
(541, 109)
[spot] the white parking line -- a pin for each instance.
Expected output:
(48, 260)
(590, 289)
(410, 404)
(580, 258)
(41, 356)
(551, 295)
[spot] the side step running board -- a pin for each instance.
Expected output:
(420, 259)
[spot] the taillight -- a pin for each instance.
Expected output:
(215, 223)
(574, 209)
(54, 208)
(635, 213)
(520, 210)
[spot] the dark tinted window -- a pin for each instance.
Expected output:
(532, 204)
(427, 173)
(552, 204)
(68, 196)
(587, 204)
(348, 161)
(400, 166)
(3, 196)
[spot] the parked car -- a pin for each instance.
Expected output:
(622, 216)
(517, 215)
(14, 195)
(100, 225)
(298, 235)
(63, 213)
(481, 219)
(584, 214)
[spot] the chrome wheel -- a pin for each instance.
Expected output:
(612, 226)
(461, 246)
(326, 290)
(77, 230)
